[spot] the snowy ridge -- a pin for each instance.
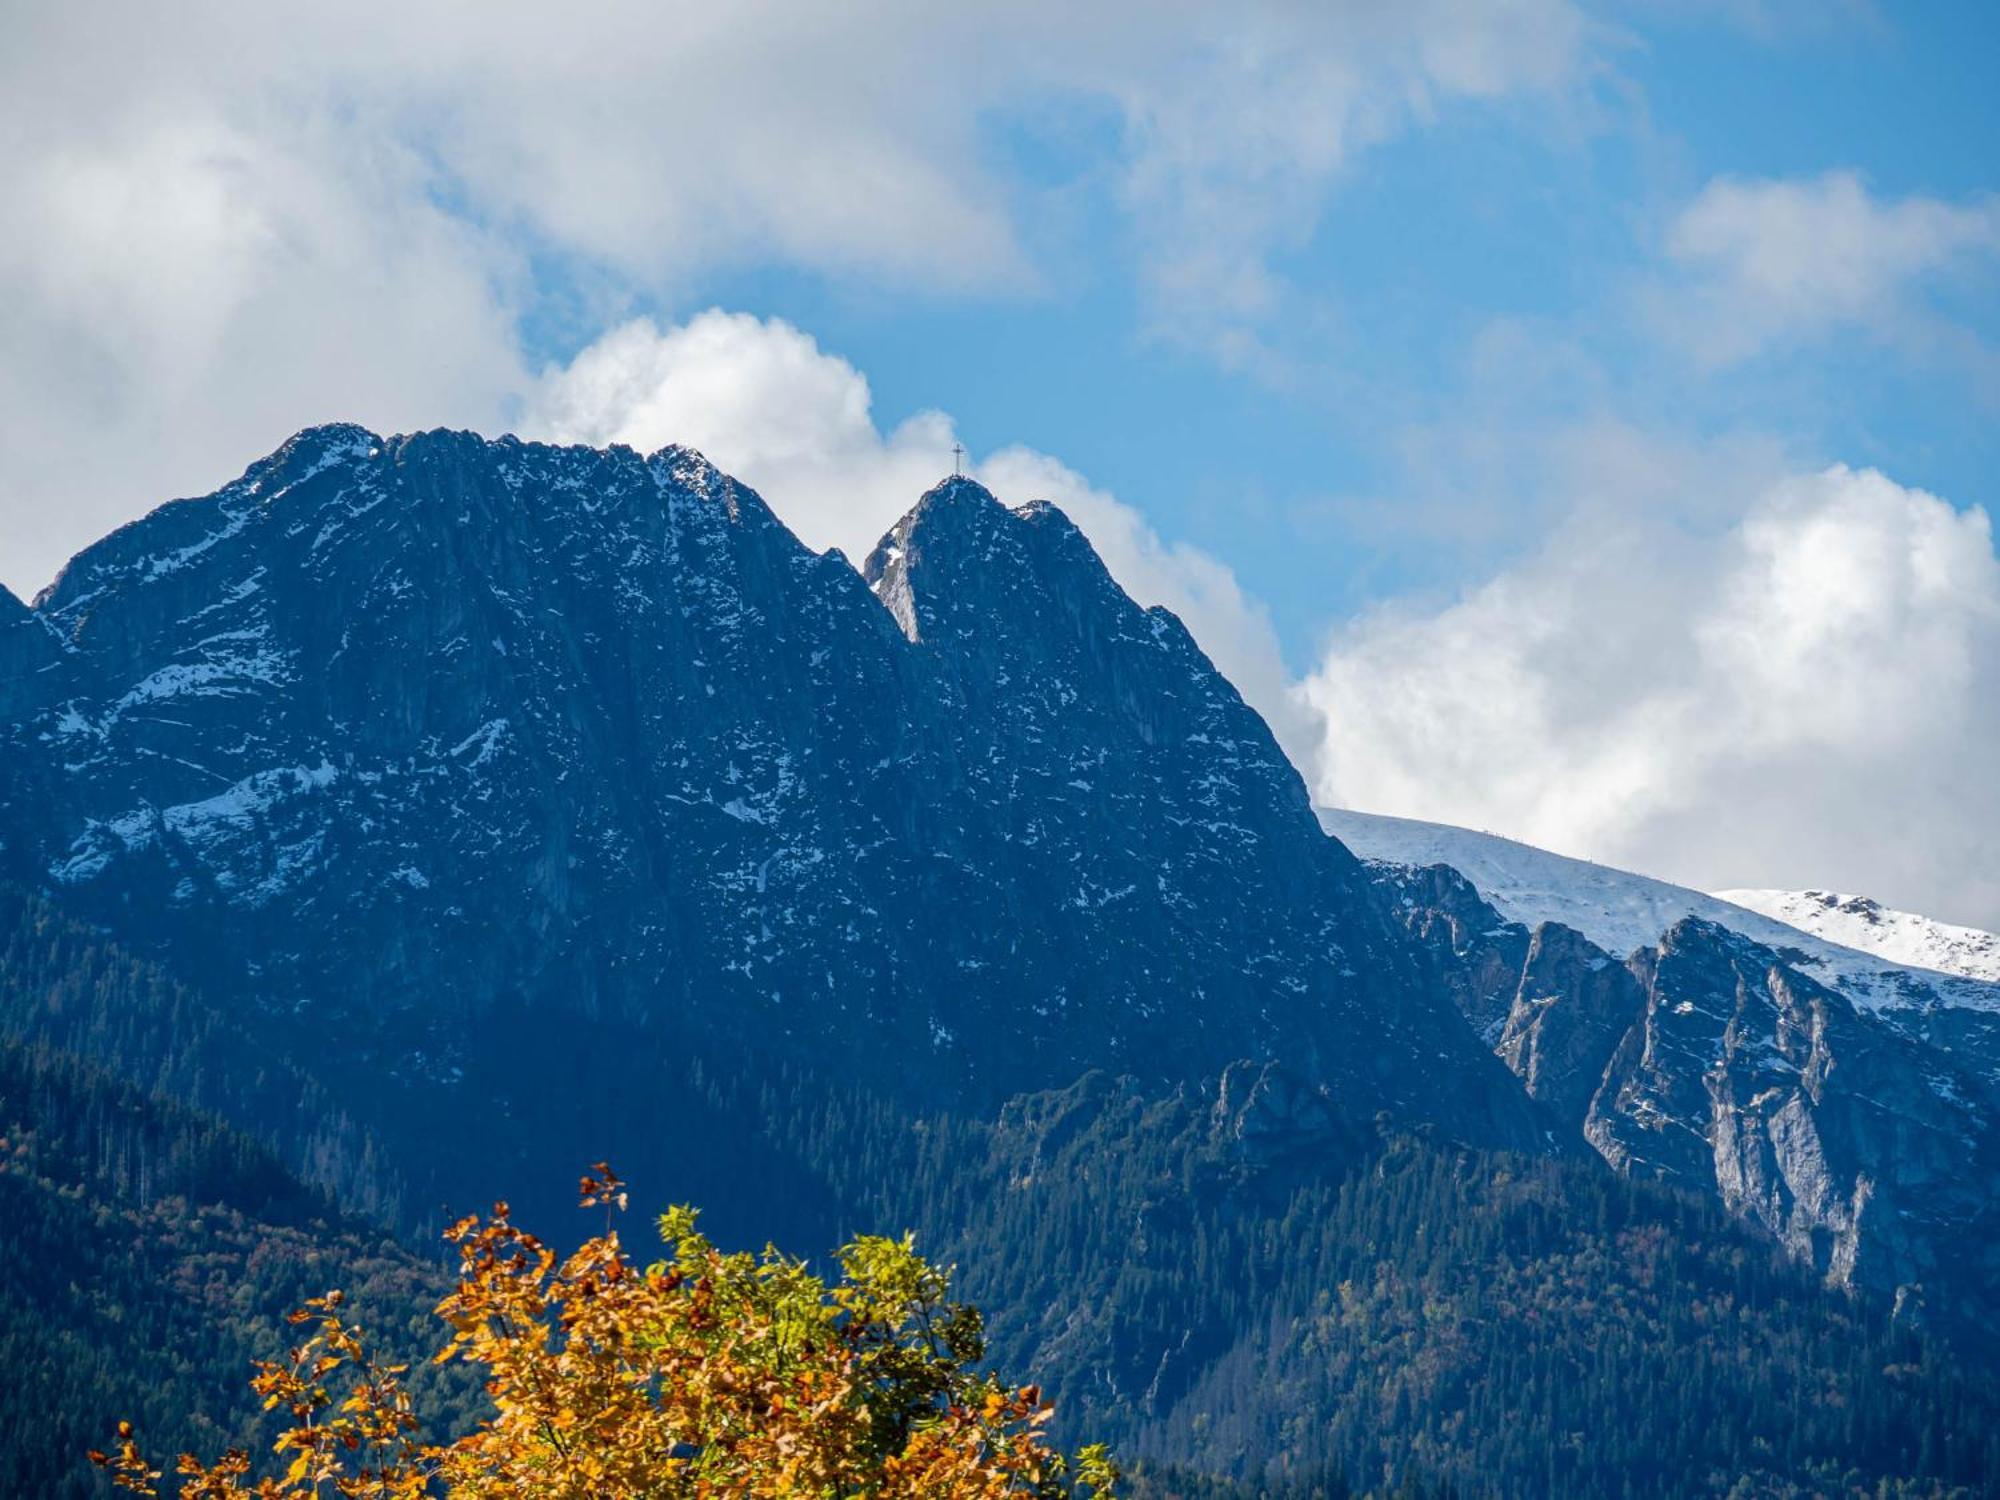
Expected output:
(1897, 937)
(1620, 911)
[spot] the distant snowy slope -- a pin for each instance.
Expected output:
(1899, 937)
(1620, 911)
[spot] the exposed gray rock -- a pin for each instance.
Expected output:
(1710, 1061)
(1573, 1007)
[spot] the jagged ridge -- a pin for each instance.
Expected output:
(411, 733)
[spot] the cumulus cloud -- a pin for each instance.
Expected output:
(1808, 696)
(228, 221)
(176, 301)
(764, 402)
(1773, 261)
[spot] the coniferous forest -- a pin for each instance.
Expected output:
(1419, 1318)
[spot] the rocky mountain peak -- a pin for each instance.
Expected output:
(918, 570)
(1865, 924)
(312, 450)
(961, 499)
(316, 728)
(961, 564)
(1865, 1136)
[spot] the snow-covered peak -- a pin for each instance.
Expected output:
(1620, 911)
(1900, 937)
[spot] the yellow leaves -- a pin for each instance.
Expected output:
(126, 1465)
(704, 1375)
(601, 1185)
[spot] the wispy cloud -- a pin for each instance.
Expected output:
(1767, 264)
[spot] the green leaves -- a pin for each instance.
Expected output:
(701, 1376)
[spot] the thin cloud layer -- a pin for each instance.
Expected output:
(1771, 262)
(1798, 697)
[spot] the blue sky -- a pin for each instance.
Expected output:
(1550, 217)
(1571, 419)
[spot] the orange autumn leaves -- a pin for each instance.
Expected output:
(700, 1375)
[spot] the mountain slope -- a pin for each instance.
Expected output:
(1228, 1279)
(148, 1253)
(1620, 911)
(1189, 1277)
(1895, 937)
(1864, 1136)
(431, 745)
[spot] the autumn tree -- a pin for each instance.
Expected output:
(700, 1375)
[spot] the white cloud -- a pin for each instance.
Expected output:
(764, 402)
(1775, 261)
(175, 302)
(1807, 697)
(1240, 121)
(227, 221)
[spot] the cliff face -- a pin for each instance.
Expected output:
(1863, 1141)
(400, 736)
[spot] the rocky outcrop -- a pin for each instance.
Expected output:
(1571, 1011)
(1710, 1061)
(1267, 1116)
(1867, 1154)
(1476, 954)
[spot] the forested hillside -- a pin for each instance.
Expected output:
(1209, 1279)
(1225, 1279)
(148, 1253)
(416, 820)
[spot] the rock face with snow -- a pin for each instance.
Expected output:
(1621, 911)
(414, 741)
(1861, 1129)
(1896, 937)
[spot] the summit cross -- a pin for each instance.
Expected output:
(957, 453)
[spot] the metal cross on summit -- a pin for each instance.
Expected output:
(957, 452)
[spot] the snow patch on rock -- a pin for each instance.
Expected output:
(1898, 937)
(1621, 911)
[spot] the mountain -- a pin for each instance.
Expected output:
(444, 813)
(1850, 1105)
(1221, 1281)
(1620, 911)
(429, 742)
(1896, 937)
